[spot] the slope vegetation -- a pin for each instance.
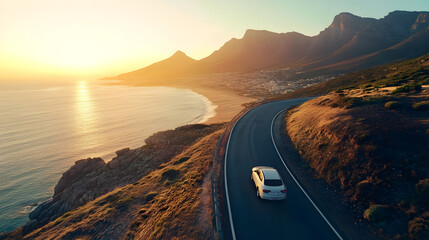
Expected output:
(171, 202)
(170, 199)
(396, 74)
(371, 144)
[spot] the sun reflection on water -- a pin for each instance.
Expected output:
(86, 121)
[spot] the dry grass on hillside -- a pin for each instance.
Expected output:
(169, 203)
(373, 152)
(395, 74)
(311, 127)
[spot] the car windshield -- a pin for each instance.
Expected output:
(273, 182)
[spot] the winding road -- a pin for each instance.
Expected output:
(250, 144)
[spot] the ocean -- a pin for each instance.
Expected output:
(44, 131)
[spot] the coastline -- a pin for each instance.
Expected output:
(207, 114)
(227, 104)
(91, 178)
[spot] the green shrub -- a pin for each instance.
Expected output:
(59, 220)
(349, 88)
(181, 160)
(364, 136)
(421, 106)
(408, 88)
(124, 202)
(392, 105)
(363, 189)
(421, 193)
(170, 174)
(150, 196)
(377, 213)
(351, 102)
(109, 199)
(418, 228)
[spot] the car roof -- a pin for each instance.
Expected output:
(270, 173)
(262, 167)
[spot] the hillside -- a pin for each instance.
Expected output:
(257, 50)
(349, 43)
(371, 144)
(381, 76)
(136, 195)
(178, 65)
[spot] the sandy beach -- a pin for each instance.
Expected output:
(228, 103)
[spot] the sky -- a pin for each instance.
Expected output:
(83, 39)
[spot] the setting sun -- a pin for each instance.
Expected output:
(98, 38)
(144, 119)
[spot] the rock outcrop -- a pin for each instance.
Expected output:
(90, 178)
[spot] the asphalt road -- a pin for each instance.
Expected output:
(250, 145)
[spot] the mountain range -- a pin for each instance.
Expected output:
(349, 43)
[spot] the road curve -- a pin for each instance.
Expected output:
(250, 144)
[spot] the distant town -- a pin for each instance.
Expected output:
(262, 83)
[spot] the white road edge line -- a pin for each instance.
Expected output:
(320, 212)
(226, 181)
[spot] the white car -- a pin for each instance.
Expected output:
(269, 184)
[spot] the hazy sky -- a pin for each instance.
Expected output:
(93, 38)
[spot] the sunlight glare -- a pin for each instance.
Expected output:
(86, 121)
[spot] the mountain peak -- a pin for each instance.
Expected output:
(179, 53)
(180, 56)
(399, 13)
(345, 17)
(252, 33)
(345, 22)
(349, 38)
(347, 14)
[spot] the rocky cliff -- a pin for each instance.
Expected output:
(90, 178)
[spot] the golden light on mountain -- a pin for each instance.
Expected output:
(102, 38)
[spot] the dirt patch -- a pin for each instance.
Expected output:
(205, 214)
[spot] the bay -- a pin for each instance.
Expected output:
(44, 131)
